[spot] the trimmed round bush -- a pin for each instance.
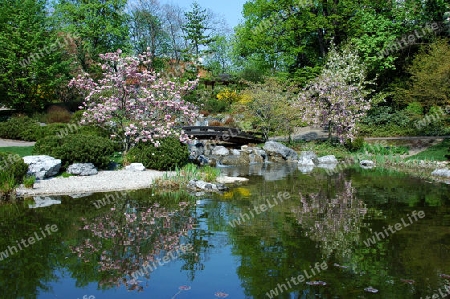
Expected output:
(20, 127)
(77, 148)
(170, 154)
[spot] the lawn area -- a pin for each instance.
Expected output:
(20, 150)
(436, 152)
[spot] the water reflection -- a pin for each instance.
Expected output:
(333, 221)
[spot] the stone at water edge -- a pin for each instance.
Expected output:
(275, 148)
(441, 172)
(367, 164)
(42, 166)
(220, 151)
(135, 167)
(83, 169)
(307, 155)
(329, 159)
(305, 161)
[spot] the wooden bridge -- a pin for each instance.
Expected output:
(224, 134)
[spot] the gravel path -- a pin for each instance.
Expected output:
(104, 181)
(10, 142)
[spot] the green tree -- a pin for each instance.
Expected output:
(197, 30)
(33, 66)
(147, 29)
(430, 73)
(101, 26)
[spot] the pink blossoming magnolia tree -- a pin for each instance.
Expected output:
(134, 102)
(337, 98)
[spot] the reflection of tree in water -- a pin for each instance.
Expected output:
(124, 239)
(333, 221)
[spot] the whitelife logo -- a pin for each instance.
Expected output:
(395, 228)
(259, 209)
(31, 240)
(297, 280)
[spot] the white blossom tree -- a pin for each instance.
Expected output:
(338, 97)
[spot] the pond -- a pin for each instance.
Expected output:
(284, 234)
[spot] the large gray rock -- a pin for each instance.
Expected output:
(307, 155)
(196, 149)
(305, 161)
(220, 151)
(330, 159)
(274, 149)
(242, 159)
(444, 172)
(84, 169)
(135, 167)
(42, 166)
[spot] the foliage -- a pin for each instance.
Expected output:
(100, 27)
(169, 154)
(12, 171)
(134, 103)
(429, 70)
(209, 174)
(57, 114)
(13, 164)
(28, 181)
(321, 148)
(267, 106)
(7, 185)
(33, 63)
(337, 99)
(76, 148)
(228, 95)
(196, 28)
(185, 174)
(383, 121)
(19, 128)
(355, 144)
(436, 152)
(382, 149)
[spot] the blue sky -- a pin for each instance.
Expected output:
(230, 9)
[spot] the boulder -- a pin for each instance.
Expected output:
(329, 159)
(242, 159)
(84, 169)
(275, 149)
(235, 152)
(196, 149)
(305, 161)
(307, 155)
(220, 151)
(444, 172)
(42, 166)
(367, 164)
(135, 167)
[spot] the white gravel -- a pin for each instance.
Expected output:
(104, 181)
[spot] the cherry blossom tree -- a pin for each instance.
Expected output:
(134, 102)
(338, 97)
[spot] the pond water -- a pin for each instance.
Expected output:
(284, 234)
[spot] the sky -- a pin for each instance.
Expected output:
(230, 9)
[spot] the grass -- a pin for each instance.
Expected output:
(20, 150)
(185, 174)
(321, 148)
(434, 153)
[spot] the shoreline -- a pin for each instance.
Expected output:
(104, 181)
